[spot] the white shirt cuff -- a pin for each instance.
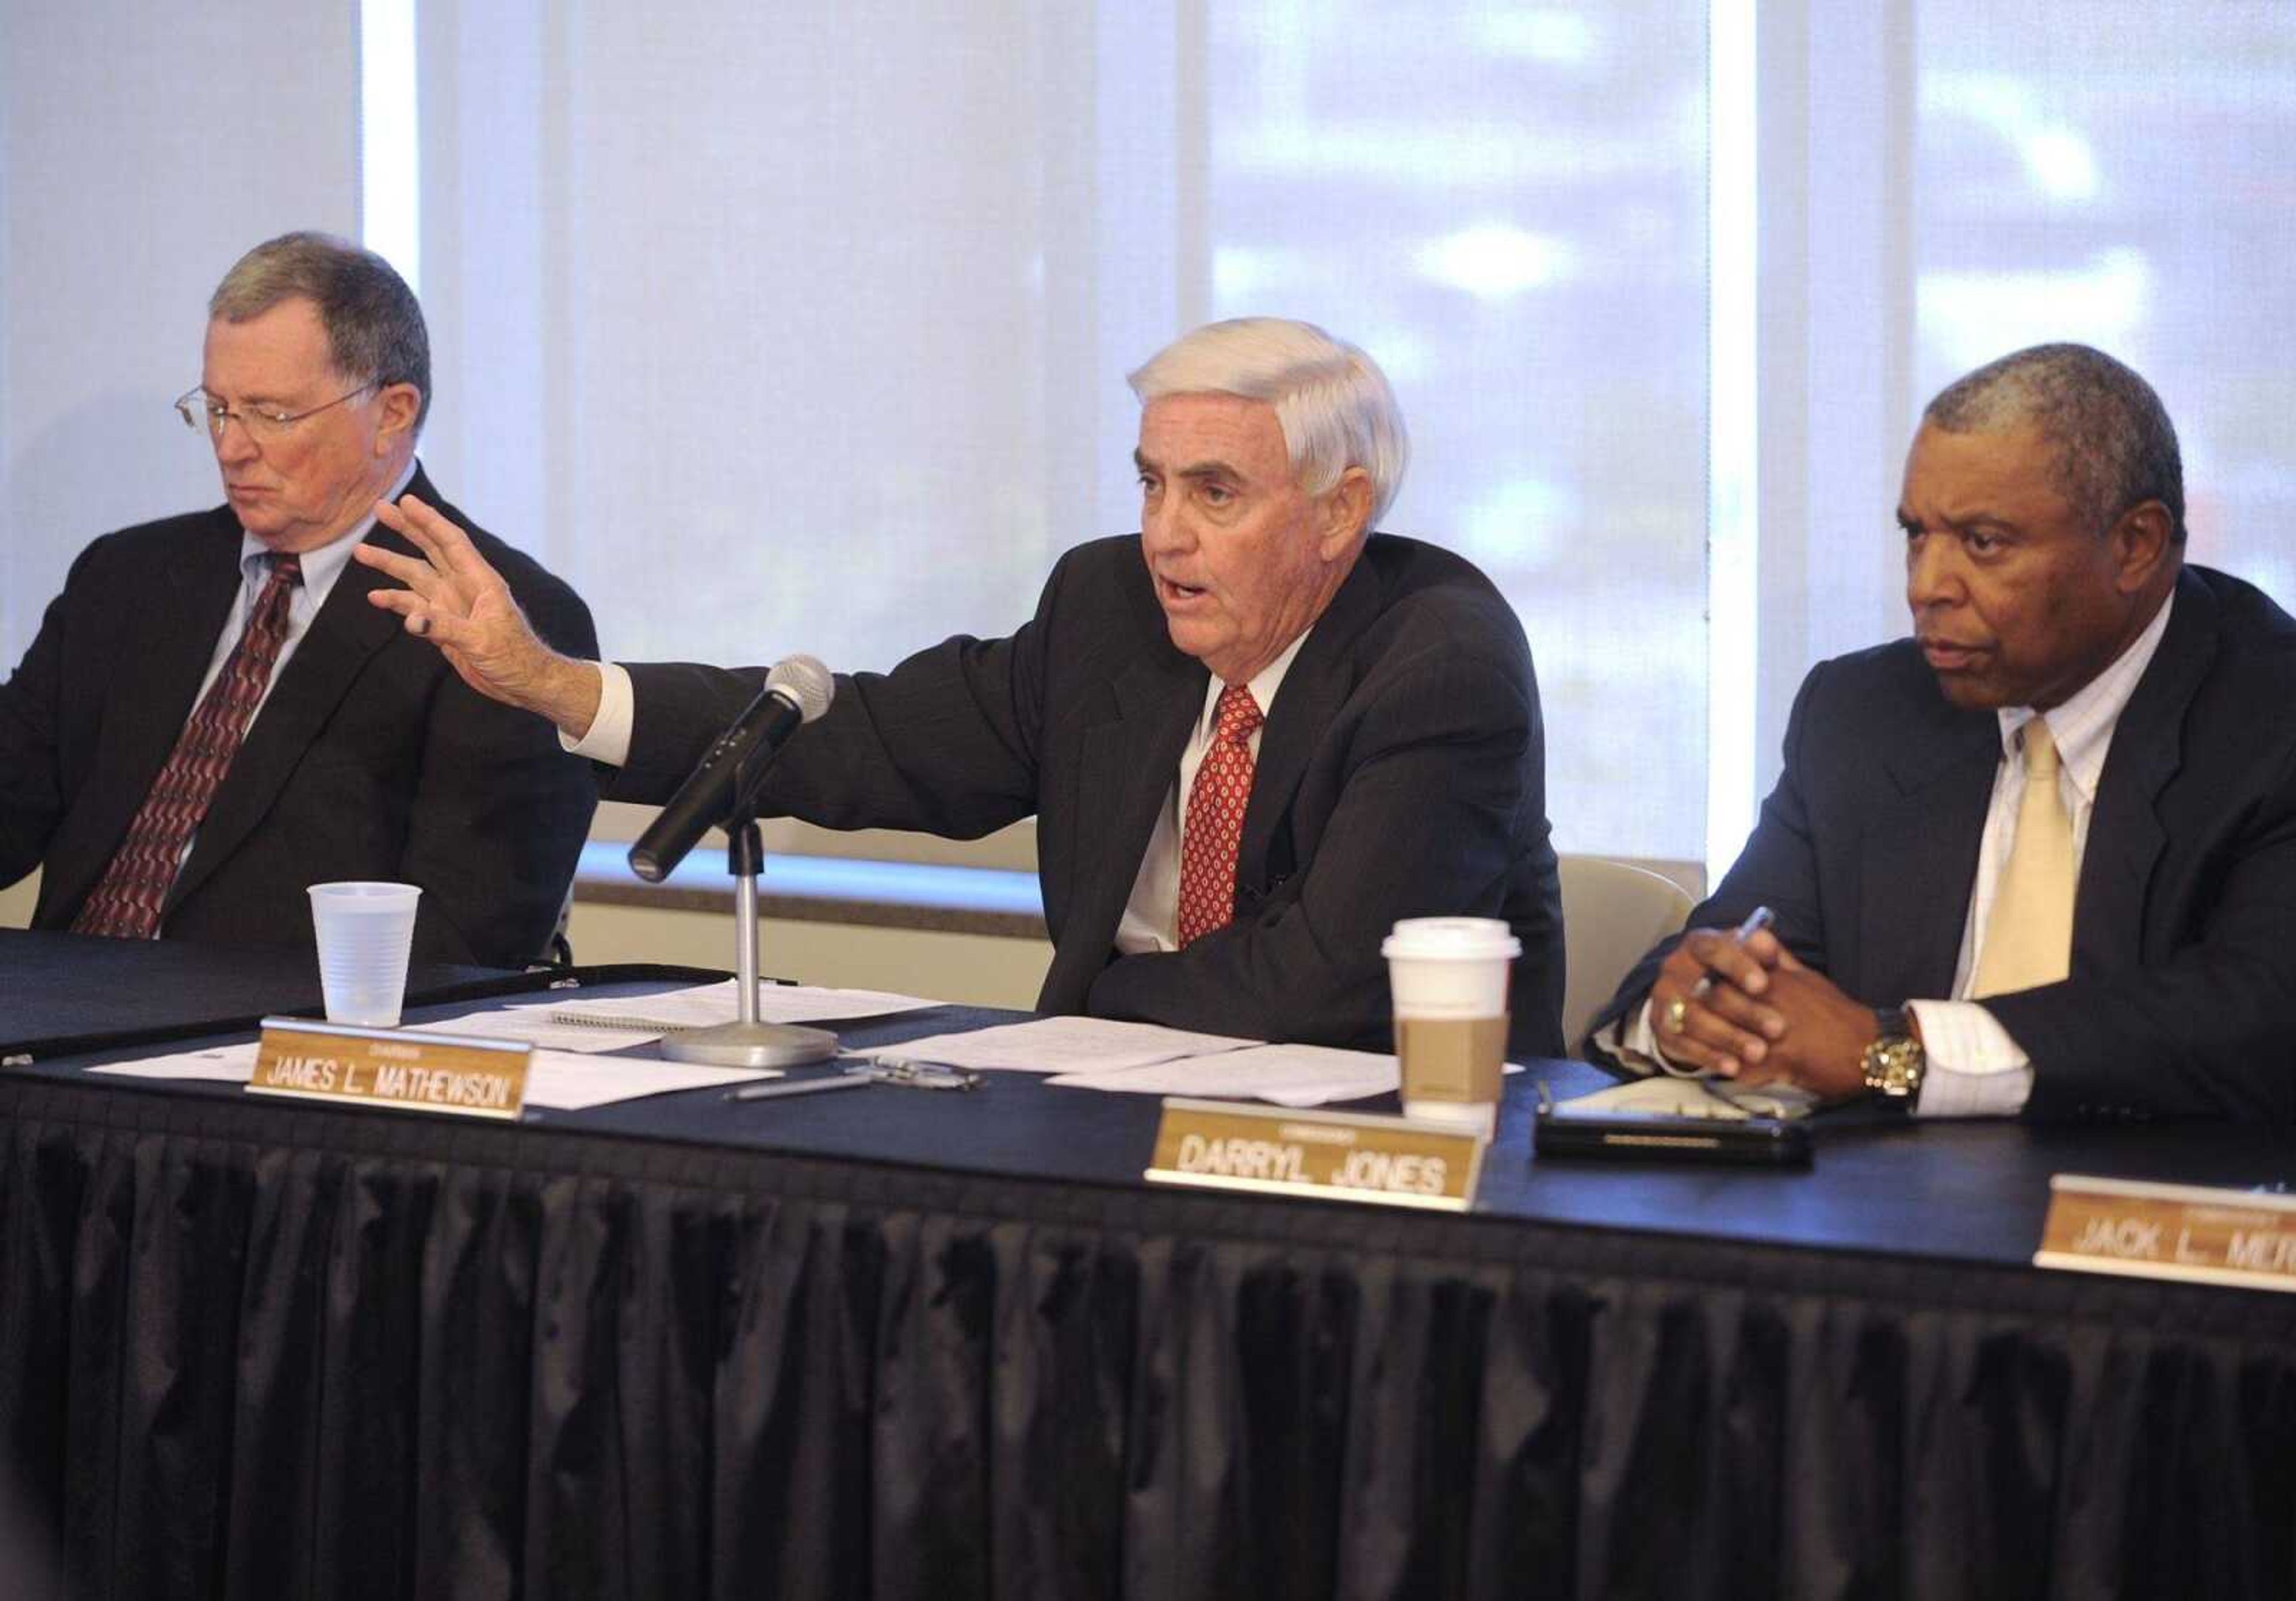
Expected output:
(609, 737)
(1974, 1067)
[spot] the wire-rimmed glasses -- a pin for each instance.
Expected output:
(204, 413)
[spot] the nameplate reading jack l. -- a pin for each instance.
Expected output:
(2245, 1238)
(450, 1074)
(1338, 1155)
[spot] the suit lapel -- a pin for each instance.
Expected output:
(2125, 833)
(1314, 686)
(1127, 774)
(189, 595)
(330, 657)
(1920, 851)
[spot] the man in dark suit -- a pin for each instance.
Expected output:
(2041, 856)
(212, 718)
(1214, 854)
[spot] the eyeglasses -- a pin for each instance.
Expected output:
(204, 413)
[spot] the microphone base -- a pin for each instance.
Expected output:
(751, 1045)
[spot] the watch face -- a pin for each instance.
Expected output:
(1893, 1066)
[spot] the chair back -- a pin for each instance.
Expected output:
(1613, 912)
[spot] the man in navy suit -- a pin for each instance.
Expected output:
(352, 752)
(1253, 737)
(2041, 856)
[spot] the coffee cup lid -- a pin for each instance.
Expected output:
(1451, 940)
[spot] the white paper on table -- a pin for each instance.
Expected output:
(560, 1079)
(1288, 1075)
(570, 1082)
(1670, 1095)
(218, 1064)
(1060, 1045)
(703, 1005)
(534, 1026)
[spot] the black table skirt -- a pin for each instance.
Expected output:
(255, 1350)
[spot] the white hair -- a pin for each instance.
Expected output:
(1332, 400)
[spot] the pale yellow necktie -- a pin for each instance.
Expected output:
(2029, 938)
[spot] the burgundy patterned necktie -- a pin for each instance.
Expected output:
(127, 901)
(1215, 822)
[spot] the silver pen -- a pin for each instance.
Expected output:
(1756, 920)
(774, 1088)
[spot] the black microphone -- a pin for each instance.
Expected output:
(797, 691)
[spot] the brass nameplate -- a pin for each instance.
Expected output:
(455, 1074)
(2217, 1237)
(1338, 1155)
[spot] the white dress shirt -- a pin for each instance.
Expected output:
(321, 568)
(1975, 1068)
(1152, 916)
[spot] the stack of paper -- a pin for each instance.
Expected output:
(1140, 1058)
(1060, 1045)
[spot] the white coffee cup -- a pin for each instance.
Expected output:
(365, 929)
(1449, 979)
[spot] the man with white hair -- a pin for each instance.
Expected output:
(1253, 737)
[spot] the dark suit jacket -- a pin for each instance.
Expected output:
(2184, 964)
(370, 760)
(1401, 773)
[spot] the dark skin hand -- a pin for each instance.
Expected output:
(1766, 1018)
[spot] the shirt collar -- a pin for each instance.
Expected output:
(2082, 725)
(321, 566)
(1264, 685)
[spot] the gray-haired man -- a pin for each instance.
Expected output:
(211, 719)
(1253, 737)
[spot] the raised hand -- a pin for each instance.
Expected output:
(454, 599)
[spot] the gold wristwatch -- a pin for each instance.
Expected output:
(1895, 1062)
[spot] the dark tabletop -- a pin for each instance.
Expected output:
(1972, 1190)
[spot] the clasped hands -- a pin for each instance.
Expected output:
(1762, 1017)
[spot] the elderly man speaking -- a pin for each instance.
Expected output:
(1253, 737)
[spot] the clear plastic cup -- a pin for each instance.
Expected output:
(366, 930)
(1449, 979)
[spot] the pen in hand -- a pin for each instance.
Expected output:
(1756, 920)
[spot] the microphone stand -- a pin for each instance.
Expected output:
(745, 1042)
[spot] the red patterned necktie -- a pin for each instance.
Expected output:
(127, 901)
(1215, 822)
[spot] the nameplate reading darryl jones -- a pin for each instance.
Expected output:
(1340, 1155)
(448, 1073)
(2220, 1237)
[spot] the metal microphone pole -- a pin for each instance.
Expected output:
(745, 1042)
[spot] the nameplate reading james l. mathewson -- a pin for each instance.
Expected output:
(461, 1076)
(2245, 1238)
(1338, 1155)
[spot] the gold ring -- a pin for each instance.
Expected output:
(1677, 1014)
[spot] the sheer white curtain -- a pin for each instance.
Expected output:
(141, 152)
(778, 328)
(807, 329)
(1508, 208)
(2124, 174)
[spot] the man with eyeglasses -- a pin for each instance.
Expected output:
(212, 717)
